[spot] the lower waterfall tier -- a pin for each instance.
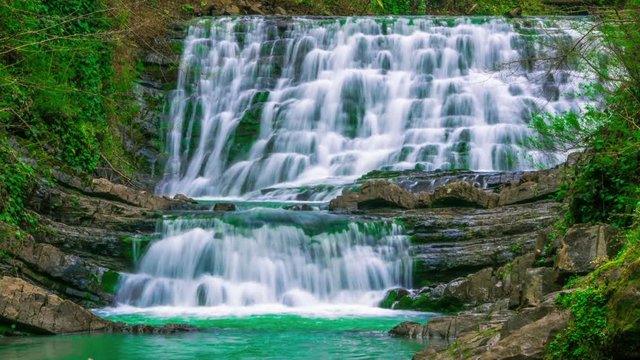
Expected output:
(257, 258)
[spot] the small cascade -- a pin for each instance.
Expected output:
(269, 256)
(267, 105)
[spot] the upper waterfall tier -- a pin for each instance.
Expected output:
(267, 102)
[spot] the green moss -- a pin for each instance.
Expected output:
(248, 129)
(399, 299)
(110, 280)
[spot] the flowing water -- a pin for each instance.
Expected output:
(291, 109)
(269, 257)
(268, 106)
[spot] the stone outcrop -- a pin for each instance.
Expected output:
(518, 315)
(529, 342)
(32, 308)
(461, 194)
(531, 186)
(68, 274)
(491, 333)
(584, 246)
(467, 190)
(539, 282)
(448, 243)
(27, 308)
(375, 194)
(89, 231)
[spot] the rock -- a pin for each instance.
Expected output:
(345, 202)
(529, 341)
(392, 297)
(299, 207)
(584, 246)
(107, 189)
(514, 278)
(231, 10)
(531, 187)
(462, 193)
(450, 327)
(538, 283)
(529, 315)
(280, 11)
(408, 329)
(76, 277)
(515, 13)
(256, 9)
(32, 308)
(224, 207)
(149, 329)
(184, 198)
(477, 288)
(375, 194)
(449, 243)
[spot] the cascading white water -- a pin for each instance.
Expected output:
(264, 102)
(211, 262)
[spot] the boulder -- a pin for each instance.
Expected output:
(531, 187)
(528, 315)
(450, 327)
(346, 202)
(530, 341)
(584, 246)
(538, 283)
(462, 193)
(477, 288)
(33, 309)
(224, 207)
(514, 275)
(184, 198)
(408, 329)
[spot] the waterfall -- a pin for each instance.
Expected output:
(269, 256)
(272, 103)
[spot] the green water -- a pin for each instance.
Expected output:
(251, 337)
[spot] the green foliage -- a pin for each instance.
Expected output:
(58, 85)
(16, 180)
(586, 336)
(109, 281)
(604, 185)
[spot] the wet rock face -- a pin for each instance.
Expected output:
(447, 243)
(224, 207)
(584, 246)
(32, 308)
